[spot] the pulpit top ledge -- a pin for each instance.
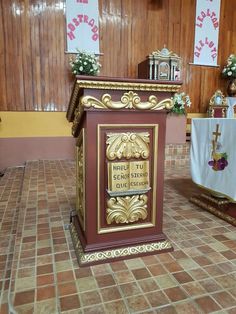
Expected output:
(99, 93)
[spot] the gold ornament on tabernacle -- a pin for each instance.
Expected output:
(126, 209)
(127, 145)
(129, 100)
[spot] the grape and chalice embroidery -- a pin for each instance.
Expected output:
(219, 159)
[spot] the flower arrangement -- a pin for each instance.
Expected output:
(180, 101)
(229, 70)
(85, 63)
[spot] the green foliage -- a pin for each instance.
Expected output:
(229, 70)
(85, 64)
(225, 156)
(181, 100)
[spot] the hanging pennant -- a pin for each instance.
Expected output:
(206, 32)
(82, 29)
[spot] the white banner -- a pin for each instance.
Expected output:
(82, 25)
(206, 32)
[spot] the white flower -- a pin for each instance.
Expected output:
(230, 73)
(188, 102)
(180, 101)
(85, 62)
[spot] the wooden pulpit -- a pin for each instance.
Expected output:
(120, 129)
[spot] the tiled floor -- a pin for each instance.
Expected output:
(39, 270)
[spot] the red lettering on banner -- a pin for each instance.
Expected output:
(207, 43)
(95, 29)
(76, 22)
(95, 37)
(82, 18)
(203, 14)
(82, 1)
(214, 56)
(71, 27)
(71, 35)
(198, 48)
(91, 22)
(199, 25)
(211, 15)
(211, 44)
(201, 43)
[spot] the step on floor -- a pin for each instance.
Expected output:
(10, 194)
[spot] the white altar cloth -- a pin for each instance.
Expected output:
(231, 102)
(213, 156)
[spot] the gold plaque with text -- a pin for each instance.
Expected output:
(128, 177)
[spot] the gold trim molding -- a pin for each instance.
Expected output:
(108, 85)
(129, 100)
(89, 258)
(213, 210)
(127, 145)
(128, 86)
(127, 209)
(218, 201)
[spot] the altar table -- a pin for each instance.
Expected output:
(213, 155)
(231, 102)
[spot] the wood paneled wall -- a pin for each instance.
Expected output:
(34, 68)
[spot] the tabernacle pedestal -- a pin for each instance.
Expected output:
(120, 130)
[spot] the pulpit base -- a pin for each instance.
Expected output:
(220, 207)
(115, 254)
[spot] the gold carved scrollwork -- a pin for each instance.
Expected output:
(129, 100)
(126, 209)
(128, 145)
